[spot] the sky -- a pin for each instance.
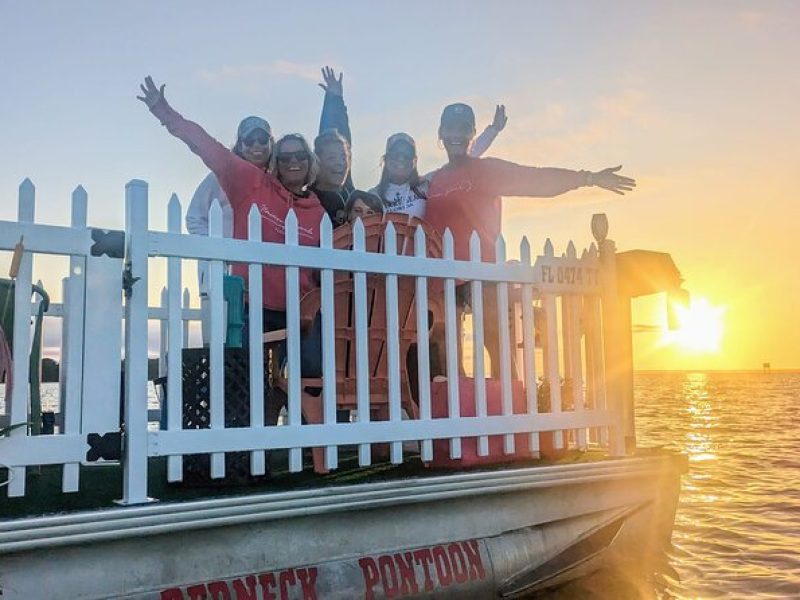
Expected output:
(698, 101)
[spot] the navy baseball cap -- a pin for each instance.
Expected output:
(458, 113)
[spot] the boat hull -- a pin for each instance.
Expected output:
(502, 533)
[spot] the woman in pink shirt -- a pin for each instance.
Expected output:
(273, 192)
(465, 195)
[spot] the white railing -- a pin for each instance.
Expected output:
(90, 342)
(571, 281)
(573, 294)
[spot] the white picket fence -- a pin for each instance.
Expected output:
(89, 399)
(575, 293)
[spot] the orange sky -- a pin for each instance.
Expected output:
(698, 101)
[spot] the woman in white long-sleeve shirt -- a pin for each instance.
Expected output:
(254, 143)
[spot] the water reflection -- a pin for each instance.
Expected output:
(697, 441)
(735, 533)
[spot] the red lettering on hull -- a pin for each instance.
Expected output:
(396, 575)
(245, 590)
(442, 565)
(268, 583)
(458, 562)
(473, 552)
(218, 590)
(308, 582)
(286, 579)
(423, 557)
(369, 570)
(405, 568)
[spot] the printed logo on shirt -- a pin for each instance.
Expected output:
(401, 202)
(403, 199)
(463, 186)
(279, 225)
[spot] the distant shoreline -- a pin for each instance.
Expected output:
(742, 371)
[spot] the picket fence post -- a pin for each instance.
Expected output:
(134, 480)
(174, 342)
(529, 345)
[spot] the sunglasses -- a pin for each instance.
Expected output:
(262, 139)
(299, 156)
(400, 156)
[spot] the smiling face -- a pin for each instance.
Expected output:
(293, 164)
(334, 165)
(456, 135)
(256, 148)
(400, 163)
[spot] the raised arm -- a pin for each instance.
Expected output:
(334, 111)
(487, 137)
(235, 174)
(509, 179)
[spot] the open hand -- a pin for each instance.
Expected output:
(500, 118)
(331, 85)
(152, 94)
(609, 180)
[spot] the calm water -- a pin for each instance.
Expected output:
(737, 530)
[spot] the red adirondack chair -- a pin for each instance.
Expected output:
(345, 319)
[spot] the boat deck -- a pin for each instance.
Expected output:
(101, 484)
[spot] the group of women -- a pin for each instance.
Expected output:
(276, 176)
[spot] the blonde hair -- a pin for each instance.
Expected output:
(313, 163)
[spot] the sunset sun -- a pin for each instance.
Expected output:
(700, 327)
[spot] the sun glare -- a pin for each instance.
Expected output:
(700, 327)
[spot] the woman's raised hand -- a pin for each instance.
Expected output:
(609, 180)
(332, 85)
(152, 94)
(500, 118)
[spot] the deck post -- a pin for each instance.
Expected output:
(613, 342)
(134, 451)
(626, 372)
(21, 336)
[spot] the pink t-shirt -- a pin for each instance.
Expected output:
(246, 184)
(467, 197)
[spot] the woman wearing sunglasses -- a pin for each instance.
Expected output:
(247, 184)
(253, 144)
(295, 165)
(401, 187)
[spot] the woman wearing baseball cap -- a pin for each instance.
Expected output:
(247, 184)
(465, 196)
(401, 187)
(254, 144)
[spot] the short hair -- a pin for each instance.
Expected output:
(371, 200)
(313, 163)
(330, 136)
